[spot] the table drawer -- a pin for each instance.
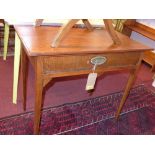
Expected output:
(72, 63)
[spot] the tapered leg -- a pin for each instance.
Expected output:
(6, 40)
(38, 96)
(128, 86)
(16, 67)
(24, 66)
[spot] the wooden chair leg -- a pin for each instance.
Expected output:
(117, 24)
(109, 27)
(16, 67)
(66, 28)
(6, 40)
(63, 31)
(87, 24)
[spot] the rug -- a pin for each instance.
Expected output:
(94, 116)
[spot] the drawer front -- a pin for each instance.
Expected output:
(71, 63)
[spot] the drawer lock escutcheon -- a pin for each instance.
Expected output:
(98, 60)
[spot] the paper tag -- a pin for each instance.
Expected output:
(91, 81)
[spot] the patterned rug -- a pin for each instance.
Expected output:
(93, 116)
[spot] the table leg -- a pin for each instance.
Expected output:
(128, 87)
(16, 67)
(24, 64)
(38, 96)
(126, 93)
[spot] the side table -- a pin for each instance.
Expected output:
(73, 57)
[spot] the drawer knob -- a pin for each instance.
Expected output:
(98, 60)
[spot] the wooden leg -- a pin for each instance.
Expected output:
(87, 24)
(128, 87)
(24, 64)
(38, 96)
(109, 27)
(126, 93)
(63, 31)
(16, 67)
(6, 40)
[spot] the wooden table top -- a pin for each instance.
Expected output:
(37, 41)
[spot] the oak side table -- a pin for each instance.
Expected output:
(73, 57)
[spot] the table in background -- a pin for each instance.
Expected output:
(146, 31)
